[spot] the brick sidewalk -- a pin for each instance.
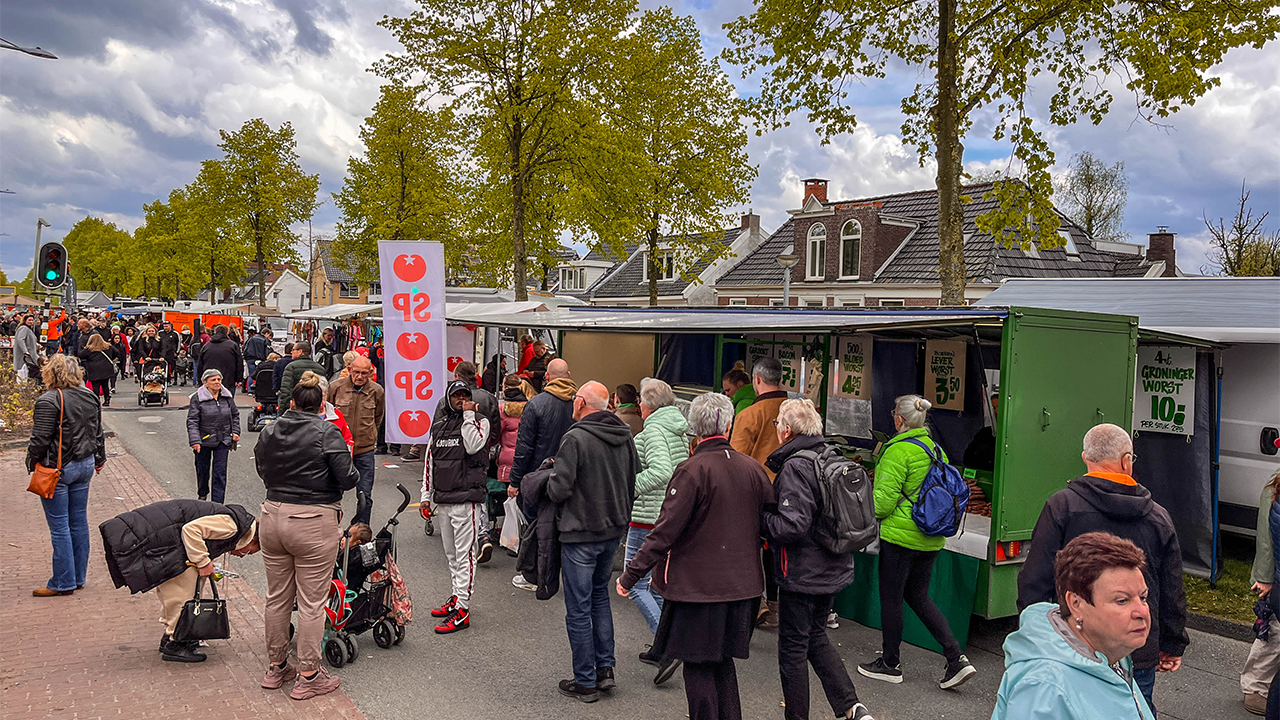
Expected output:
(93, 655)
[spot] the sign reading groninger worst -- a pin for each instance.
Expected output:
(1165, 397)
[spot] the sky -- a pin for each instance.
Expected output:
(142, 87)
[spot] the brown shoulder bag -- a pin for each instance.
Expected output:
(45, 479)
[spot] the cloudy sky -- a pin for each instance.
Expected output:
(142, 87)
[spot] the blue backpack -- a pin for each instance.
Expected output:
(939, 507)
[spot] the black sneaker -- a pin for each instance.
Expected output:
(182, 651)
(880, 670)
(649, 658)
(570, 688)
(604, 679)
(666, 670)
(958, 673)
(860, 712)
(486, 551)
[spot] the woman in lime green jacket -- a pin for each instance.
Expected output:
(906, 554)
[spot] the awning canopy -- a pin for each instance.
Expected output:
(218, 309)
(336, 312)
(473, 310)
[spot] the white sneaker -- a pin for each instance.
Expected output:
(833, 621)
(520, 582)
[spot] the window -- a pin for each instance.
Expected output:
(850, 303)
(814, 303)
(348, 290)
(666, 266)
(892, 303)
(816, 260)
(573, 278)
(775, 302)
(850, 249)
(737, 301)
(1073, 253)
(375, 288)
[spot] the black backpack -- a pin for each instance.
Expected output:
(846, 520)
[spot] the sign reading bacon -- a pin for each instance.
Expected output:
(412, 275)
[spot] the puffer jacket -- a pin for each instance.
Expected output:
(1047, 674)
(539, 556)
(81, 429)
(302, 459)
(900, 471)
(144, 547)
(544, 422)
(509, 414)
(212, 421)
(801, 565)
(661, 446)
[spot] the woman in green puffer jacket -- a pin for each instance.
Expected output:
(906, 554)
(662, 446)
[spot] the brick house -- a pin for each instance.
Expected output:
(331, 284)
(883, 251)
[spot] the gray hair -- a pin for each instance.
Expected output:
(913, 410)
(710, 414)
(1106, 442)
(800, 416)
(210, 373)
(769, 370)
(656, 393)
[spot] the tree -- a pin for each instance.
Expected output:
(98, 252)
(676, 159)
(509, 70)
(259, 190)
(1095, 196)
(1242, 247)
(980, 56)
(405, 187)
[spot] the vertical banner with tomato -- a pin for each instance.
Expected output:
(412, 275)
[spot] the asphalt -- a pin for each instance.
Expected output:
(510, 659)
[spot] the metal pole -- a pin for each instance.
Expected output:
(786, 287)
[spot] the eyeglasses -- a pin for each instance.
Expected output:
(1133, 457)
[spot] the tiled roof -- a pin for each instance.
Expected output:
(1131, 266)
(916, 261)
(628, 280)
(331, 269)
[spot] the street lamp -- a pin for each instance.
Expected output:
(35, 51)
(787, 260)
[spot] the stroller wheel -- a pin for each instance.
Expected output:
(335, 652)
(399, 634)
(383, 634)
(431, 528)
(353, 647)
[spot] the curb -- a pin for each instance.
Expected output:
(15, 444)
(1229, 629)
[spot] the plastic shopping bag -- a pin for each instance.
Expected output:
(512, 521)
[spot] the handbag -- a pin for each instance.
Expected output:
(45, 479)
(203, 619)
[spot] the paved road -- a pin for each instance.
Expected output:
(508, 662)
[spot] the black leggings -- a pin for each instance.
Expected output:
(712, 690)
(102, 388)
(904, 575)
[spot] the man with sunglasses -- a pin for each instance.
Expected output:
(1108, 499)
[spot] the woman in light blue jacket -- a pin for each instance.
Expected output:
(662, 446)
(1070, 661)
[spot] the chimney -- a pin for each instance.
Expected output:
(816, 187)
(751, 221)
(1160, 247)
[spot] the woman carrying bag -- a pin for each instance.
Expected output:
(213, 428)
(99, 361)
(66, 437)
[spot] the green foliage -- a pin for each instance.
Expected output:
(1241, 246)
(405, 187)
(99, 253)
(980, 55)
(1230, 600)
(24, 287)
(1094, 196)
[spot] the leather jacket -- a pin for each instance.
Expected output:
(303, 459)
(81, 429)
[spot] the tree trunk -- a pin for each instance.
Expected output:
(950, 157)
(519, 254)
(262, 286)
(653, 266)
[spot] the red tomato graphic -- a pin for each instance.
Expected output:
(415, 423)
(410, 268)
(453, 362)
(412, 346)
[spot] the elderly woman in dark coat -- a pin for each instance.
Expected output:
(704, 552)
(213, 426)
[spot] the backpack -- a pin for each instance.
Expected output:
(846, 519)
(939, 507)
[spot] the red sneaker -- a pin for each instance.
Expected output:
(448, 608)
(459, 620)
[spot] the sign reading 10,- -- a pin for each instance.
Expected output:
(1165, 397)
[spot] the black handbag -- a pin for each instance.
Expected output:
(203, 619)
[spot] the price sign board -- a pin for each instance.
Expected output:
(1165, 397)
(944, 373)
(852, 370)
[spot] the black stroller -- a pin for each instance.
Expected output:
(357, 604)
(154, 389)
(266, 407)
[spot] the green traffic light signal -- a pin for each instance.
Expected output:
(51, 275)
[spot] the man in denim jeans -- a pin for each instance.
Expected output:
(594, 484)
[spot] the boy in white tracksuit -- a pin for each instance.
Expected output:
(453, 480)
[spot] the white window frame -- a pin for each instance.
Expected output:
(348, 290)
(845, 236)
(1073, 252)
(737, 302)
(815, 303)
(815, 258)
(851, 302)
(573, 278)
(775, 302)
(668, 272)
(892, 302)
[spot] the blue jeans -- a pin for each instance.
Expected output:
(586, 569)
(1146, 681)
(649, 603)
(68, 519)
(364, 463)
(215, 475)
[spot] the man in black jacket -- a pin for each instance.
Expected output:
(544, 421)
(223, 354)
(1108, 499)
(486, 406)
(169, 342)
(256, 349)
(594, 484)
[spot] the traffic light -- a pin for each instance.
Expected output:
(51, 270)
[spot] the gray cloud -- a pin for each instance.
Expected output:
(304, 13)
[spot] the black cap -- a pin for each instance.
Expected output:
(458, 387)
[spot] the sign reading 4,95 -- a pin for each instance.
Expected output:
(1165, 400)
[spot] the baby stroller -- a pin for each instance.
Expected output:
(358, 603)
(266, 408)
(154, 388)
